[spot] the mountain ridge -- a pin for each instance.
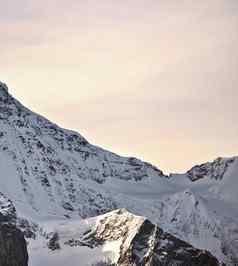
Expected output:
(51, 173)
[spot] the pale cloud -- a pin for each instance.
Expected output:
(159, 77)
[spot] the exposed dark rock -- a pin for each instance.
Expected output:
(213, 170)
(145, 244)
(13, 248)
(29, 229)
(153, 247)
(54, 242)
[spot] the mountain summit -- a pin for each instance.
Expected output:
(54, 176)
(60, 165)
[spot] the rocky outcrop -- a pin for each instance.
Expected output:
(145, 244)
(214, 170)
(161, 249)
(13, 248)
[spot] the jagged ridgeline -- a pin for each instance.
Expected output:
(58, 161)
(54, 176)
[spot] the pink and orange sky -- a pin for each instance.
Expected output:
(155, 79)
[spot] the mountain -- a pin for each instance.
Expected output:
(53, 176)
(125, 239)
(52, 171)
(213, 187)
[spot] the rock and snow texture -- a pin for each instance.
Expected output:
(210, 218)
(119, 237)
(142, 243)
(214, 170)
(51, 174)
(7, 210)
(52, 170)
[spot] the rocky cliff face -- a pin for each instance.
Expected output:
(13, 249)
(51, 173)
(142, 243)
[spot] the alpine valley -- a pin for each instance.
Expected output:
(69, 202)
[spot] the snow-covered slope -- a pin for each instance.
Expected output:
(119, 237)
(51, 174)
(214, 219)
(222, 173)
(52, 171)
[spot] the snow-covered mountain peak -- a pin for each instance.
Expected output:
(54, 175)
(113, 225)
(134, 240)
(55, 171)
(118, 237)
(214, 170)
